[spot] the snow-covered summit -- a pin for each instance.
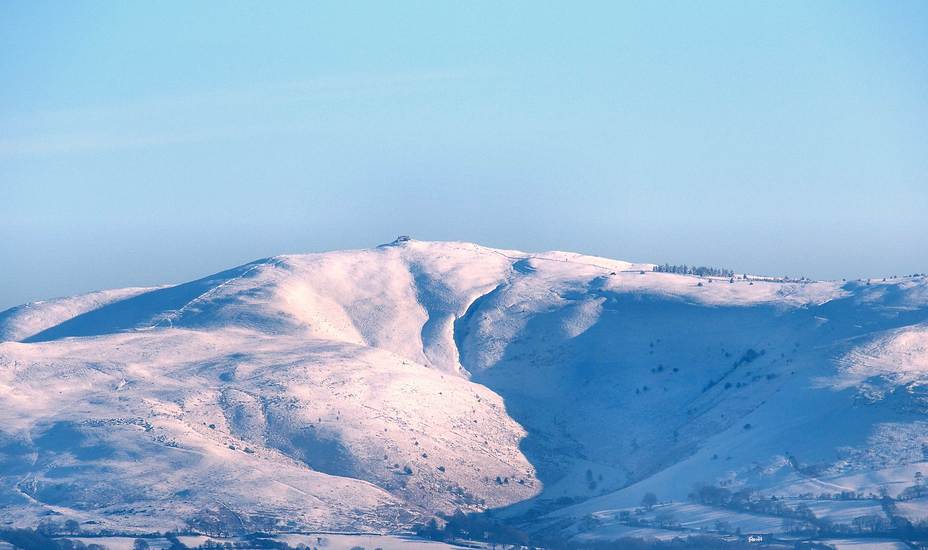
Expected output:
(368, 389)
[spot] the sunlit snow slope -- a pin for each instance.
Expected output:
(370, 389)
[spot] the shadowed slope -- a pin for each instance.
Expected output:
(148, 310)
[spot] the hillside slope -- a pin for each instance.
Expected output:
(370, 389)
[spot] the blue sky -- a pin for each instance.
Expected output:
(143, 143)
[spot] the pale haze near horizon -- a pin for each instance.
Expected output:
(149, 144)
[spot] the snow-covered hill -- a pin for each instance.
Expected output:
(370, 389)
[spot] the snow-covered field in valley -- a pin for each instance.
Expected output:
(370, 390)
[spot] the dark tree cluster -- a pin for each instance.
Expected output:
(702, 271)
